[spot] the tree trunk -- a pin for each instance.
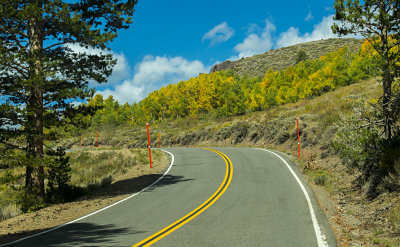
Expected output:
(387, 84)
(387, 107)
(35, 170)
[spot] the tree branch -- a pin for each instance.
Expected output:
(12, 33)
(369, 124)
(60, 43)
(23, 73)
(12, 145)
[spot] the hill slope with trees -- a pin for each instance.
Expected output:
(225, 93)
(280, 59)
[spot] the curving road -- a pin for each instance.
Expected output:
(235, 197)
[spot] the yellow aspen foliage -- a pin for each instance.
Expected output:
(97, 100)
(227, 94)
(367, 50)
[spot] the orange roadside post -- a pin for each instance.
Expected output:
(148, 138)
(159, 137)
(298, 136)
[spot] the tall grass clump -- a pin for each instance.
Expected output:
(92, 169)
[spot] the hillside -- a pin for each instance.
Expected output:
(357, 221)
(281, 58)
(225, 93)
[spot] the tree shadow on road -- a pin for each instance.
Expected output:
(91, 234)
(78, 234)
(133, 185)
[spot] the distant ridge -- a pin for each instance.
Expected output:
(279, 59)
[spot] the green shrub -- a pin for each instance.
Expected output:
(320, 179)
(106, 181)
(30, 203)
(301, 56)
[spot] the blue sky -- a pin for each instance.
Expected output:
(174, 40)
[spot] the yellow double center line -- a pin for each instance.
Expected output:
(210, 201)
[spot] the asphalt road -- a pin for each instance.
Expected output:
(250, 198)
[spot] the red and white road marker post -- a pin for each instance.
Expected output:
(298, 136)
(148, 138)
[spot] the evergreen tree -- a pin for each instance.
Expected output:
(379, 22)
(40, 73)
(301, 56)
(58, 187)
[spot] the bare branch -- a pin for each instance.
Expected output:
(374, 106)
(369, 124)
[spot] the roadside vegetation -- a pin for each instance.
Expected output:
(89, 169)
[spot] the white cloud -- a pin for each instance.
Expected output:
(157, 69)
(125, 92)
(309, 17)
(76, 103)
(219, 33)
(153, 73)
(256, 43)
(321, 31)
(121, 69)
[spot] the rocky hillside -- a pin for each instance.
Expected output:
(281, 58)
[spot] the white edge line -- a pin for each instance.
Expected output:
(320, 237)
(98, 211)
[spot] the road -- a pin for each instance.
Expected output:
(238, 197)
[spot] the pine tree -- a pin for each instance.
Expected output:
(40, 73)
(379, 22)
(301, 56)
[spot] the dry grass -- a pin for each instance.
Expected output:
(90, 170)
(138, 177)
(9, 211)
